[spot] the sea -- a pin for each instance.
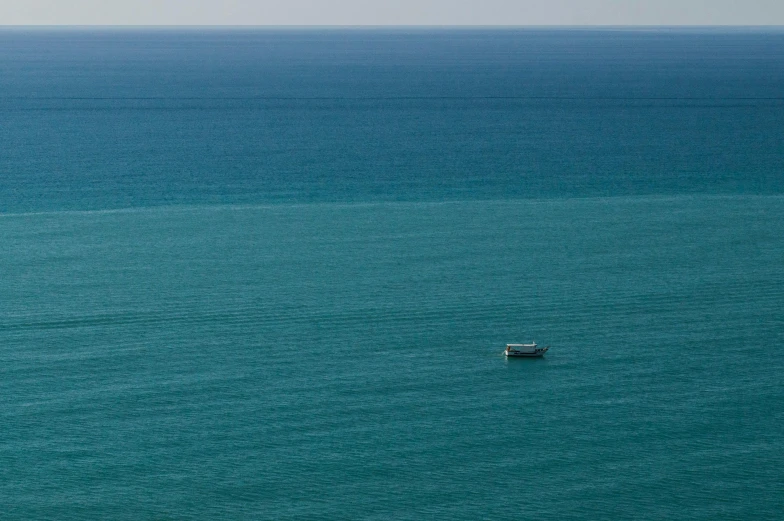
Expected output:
(270, 273)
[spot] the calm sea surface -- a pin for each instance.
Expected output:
(270, 274)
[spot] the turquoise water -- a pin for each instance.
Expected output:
(217, 307)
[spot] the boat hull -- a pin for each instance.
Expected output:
(523, 354)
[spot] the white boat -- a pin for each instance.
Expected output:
(525, 350)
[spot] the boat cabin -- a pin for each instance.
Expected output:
(522, 348)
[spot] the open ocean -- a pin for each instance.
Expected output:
(269, 274)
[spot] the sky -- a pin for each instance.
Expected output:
(398, 12)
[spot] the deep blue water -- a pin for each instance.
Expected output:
(268, 274)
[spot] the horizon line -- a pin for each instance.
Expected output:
(394, 26)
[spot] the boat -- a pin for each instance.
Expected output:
(525, 350)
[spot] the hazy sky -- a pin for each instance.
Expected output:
(399, 12)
